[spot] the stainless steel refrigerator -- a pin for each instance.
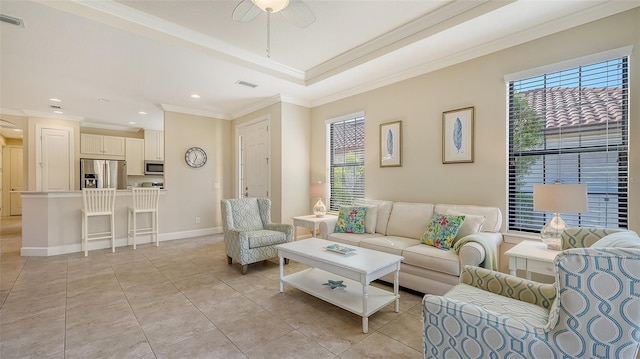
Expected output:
(103, 173)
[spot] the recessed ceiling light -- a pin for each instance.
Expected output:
(132, 123)
(195, 95)
(17, 130)
(55, 99)
(58, 111)
(141, 113)
(104, 100)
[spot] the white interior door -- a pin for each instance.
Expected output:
(16, 183)
(254, 160)
(55, 160)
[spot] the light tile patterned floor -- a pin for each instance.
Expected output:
(179, 300)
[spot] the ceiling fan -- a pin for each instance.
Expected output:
(295, 11)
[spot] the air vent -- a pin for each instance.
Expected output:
(55, 107)
(245, 83)
(11, 20)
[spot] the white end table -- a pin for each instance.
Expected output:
(531, 256)
(309, 221)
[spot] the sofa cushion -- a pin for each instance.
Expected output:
(624, 239)
(350, 219)
(265, 237)
(370, 219)
(409, 219)
(350, 238)
(472, 223)
(384, 210)
(432, 258)
(442, 230)
(388, 244)
(492, 215)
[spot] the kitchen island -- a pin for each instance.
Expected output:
(51, 222)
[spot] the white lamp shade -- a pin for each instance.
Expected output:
(319, 190)
(560, 198)
(271, 5)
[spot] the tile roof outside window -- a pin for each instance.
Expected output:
(567, 107)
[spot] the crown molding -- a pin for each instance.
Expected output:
(12, 112)
(105, 126)
(53, 115)
(193, 111)
(258, 105)
(241, 56)
(591, 14)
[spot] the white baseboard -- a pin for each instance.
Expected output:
(120, 242)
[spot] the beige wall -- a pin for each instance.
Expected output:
(195, 192)
(420, 101)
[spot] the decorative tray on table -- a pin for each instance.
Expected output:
(339, 249)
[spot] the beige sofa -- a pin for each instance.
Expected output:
(396, 227)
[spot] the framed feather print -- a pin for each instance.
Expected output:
(457, 135)
(391, 144)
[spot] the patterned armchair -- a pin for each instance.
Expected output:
(249, 235)
(591, 311)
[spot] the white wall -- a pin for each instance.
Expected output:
(419, 102)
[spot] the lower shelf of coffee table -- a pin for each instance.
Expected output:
(350, 298)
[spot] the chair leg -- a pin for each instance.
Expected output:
(85, 244)
(245, 268)
(113, 233)
(229, 260)
(134, 216)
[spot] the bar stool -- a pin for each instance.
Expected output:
(145, 200)
(98, 202)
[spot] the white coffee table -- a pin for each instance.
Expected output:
(356, 270)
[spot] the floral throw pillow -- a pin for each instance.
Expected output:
(351, 220)
(441, 230)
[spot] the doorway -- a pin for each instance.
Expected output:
(254, 159)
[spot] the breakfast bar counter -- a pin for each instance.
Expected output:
(51, 222)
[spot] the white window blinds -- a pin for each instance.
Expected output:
(346, 147)
(570, 126)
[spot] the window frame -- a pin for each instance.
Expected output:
(516, 222)
(334, 202)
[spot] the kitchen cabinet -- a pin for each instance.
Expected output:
(135, 156)
(101, 145)
(153, 145)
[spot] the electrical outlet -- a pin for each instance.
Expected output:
(197, 220)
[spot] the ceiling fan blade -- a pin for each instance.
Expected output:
(298, 13)
(245, 11)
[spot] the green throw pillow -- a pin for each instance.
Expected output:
(351, 220)
(441, 230)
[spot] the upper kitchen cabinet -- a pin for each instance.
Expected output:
(102, 145)
(135, 156)
(153, 145)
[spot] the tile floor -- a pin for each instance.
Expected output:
(179, 300)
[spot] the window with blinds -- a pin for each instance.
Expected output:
(570, 126)
(346, 147)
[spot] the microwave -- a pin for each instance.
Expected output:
(153, 167)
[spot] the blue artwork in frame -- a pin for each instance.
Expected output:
(457, 135)
(391, 144)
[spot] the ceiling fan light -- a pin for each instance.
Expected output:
(271, 5)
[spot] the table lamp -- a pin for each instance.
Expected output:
(558, 198)
(319, 191)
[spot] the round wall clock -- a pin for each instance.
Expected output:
(195, 157)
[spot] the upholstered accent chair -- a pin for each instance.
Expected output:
(249, 235)
(591, 311)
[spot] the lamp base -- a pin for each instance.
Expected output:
(319, 209)
(552, 232)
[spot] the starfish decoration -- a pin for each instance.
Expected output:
(335, 284)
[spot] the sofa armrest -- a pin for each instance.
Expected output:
(327, 226)
(509, 286)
